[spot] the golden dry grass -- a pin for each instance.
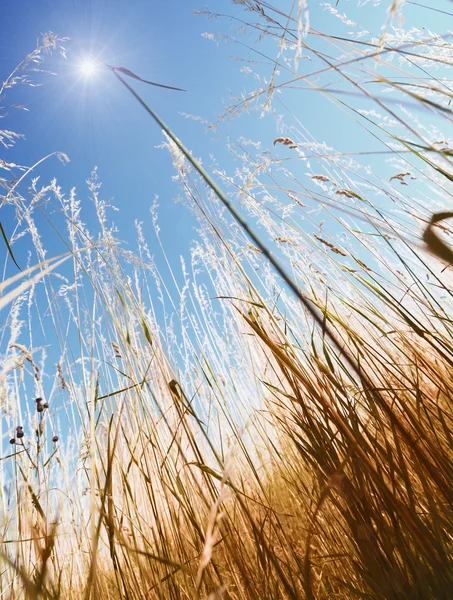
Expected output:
(277, 441)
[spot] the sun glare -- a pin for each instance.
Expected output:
(88, 67)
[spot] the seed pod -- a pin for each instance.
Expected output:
(39, 408)
(12, 441)
(20, 432)
(55, 439)
(45, 405)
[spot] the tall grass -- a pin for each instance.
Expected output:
(194, 432)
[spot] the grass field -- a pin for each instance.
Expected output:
(282, 426)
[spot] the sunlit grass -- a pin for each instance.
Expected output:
(198, 434)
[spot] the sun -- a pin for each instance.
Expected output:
(88, 67)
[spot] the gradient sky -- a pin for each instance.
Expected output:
(96, 121)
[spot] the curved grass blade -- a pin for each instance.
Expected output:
(131, 74)
(10, 252)
(433, 241)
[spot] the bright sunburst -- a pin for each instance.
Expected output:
(89, 67)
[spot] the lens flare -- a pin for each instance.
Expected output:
(88, 67)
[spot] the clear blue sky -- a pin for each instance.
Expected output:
(97, 122)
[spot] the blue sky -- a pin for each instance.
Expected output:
(96, 122)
